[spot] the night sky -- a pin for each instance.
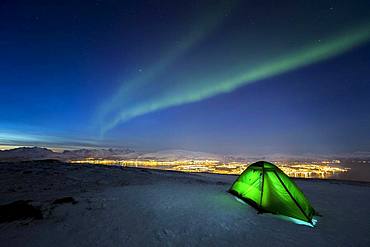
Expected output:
(254, 77)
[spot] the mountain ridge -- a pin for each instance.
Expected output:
(40, 153)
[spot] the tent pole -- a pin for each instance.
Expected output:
(263, 181)
(291, 196)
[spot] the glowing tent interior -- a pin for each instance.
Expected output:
(268, 189)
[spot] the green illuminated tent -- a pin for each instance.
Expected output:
(269, 189)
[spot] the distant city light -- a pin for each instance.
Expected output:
(322, 169)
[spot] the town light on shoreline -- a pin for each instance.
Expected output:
(323, 169)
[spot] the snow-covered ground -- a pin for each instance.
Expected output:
(138, 207)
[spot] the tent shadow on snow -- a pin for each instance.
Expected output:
(269, 190)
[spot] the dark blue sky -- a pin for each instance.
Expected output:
(218, 76)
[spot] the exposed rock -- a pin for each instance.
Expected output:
(19, 210)
(67, 199)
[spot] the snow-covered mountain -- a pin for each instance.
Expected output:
(37, 153)
(98, 153)
(168, 155)
(27, 153)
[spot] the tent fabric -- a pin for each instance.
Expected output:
(268, 189)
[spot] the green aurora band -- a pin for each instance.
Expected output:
(193, 91)
(202, 26)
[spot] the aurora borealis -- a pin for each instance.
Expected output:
(199, 89)
(203, 75)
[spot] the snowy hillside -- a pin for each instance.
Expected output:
(87, 205)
